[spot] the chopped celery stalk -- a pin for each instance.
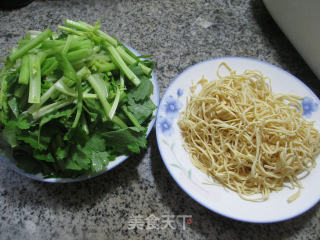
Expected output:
(126, 57)
(70, 30)
(43, 55)
(101, 58)
(24, 71)
(50, 108)
(60, 86)
(96, 49)
(43, 98)
(49, 65)
(131, 116)
(79, 103)
(67, 44)
(69, 72)
(100, 88)
(84, 125)
(48, 44)
(115, 104)
(77, 25)
(35, 79)
(101, 84)
(28, 46)
(82, 26)
(90, 95)
(92, 79)
(80, 74)
(122, 65)
(145, 69)
(76, 43)
(105, 36)
(122, 86)
(79, 54)
(130, 60)
(105, 67)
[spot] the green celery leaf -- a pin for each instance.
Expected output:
(143, 91)
(4, 100)
(92, 154)
(43, 156)
(9, 136)
(33, 142)
(81, 158)
(93, 108)
(126, 141)
(36, 142)
(13, 104)
(22, 123)
(95, 144)
(48, 117)
(99, 161)
(62, 153)
(142, 111)
(71, 165)
(76, 135)
(137, 70)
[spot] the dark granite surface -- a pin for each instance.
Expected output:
(177, 34)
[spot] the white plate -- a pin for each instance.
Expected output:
(191, 180)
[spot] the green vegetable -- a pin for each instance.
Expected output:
(28, 46)
(35, 79)
(71, 102)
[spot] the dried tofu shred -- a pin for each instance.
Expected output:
(247, 138)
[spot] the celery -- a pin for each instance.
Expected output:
(131, 116)
(122, 65)
(49, 65)
(35, 79)
(75, 100)
(82, 26)
(130, 60)
(115, 104)
(94, 82)
(51, 108)
(28, 46)
(24, 70)
(79, 54)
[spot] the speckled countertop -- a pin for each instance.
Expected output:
(177, 34)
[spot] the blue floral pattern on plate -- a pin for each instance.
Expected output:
(165, 126)
(169, 112)
(309, 106)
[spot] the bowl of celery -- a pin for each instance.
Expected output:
(74, 104)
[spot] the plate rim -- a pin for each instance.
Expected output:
(199, 201)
